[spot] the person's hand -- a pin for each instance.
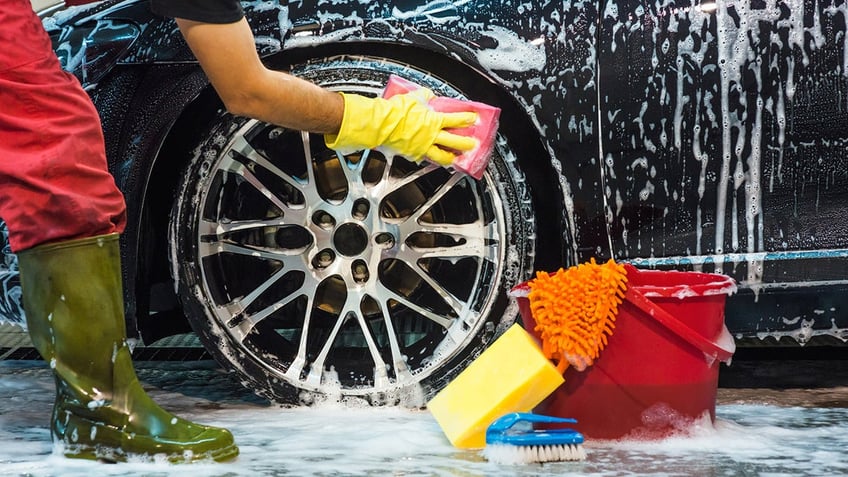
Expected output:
(404, 125)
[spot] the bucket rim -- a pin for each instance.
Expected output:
(718, 284)
(692, 283)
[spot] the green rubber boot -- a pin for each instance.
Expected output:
(74, 311)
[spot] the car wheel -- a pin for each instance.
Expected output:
(360, 277)
(11, 302)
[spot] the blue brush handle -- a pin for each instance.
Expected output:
(498, 431)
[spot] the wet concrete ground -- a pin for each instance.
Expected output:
(763, 427)
(774, 417)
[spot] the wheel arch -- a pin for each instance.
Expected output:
(187, 112)
(139, 121)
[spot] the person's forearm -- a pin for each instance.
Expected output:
(288, 101)
(227, 53)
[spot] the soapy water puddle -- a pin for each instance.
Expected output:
(758, 432)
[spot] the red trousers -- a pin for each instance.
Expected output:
(54, 182)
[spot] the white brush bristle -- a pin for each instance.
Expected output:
(509, 454)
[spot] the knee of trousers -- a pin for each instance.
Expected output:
(54, 180)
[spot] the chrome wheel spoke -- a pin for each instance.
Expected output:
(243, 148)
(243, 327)
(300, 363)
(309, 189)
(472, 240)
(206, 249)
(353, 170)
(316, 370)
(434, 317)
(390, 184)
(398, 363)
(220, 229)
(435, 198)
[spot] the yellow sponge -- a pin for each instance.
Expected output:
(512, 375)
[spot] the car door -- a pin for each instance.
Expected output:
(724, 128)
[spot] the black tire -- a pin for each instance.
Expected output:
(11, 301)
(255, 267)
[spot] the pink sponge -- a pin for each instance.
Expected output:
(471, 162)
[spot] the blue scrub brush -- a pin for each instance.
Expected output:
(511, 439)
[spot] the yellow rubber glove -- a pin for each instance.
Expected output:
(403, 125)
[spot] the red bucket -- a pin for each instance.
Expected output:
(659, 371)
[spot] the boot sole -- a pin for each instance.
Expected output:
(116, 455)
(92, 440)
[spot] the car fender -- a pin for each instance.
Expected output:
(137, 121)
(543, 56)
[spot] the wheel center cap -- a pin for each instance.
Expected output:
(350, 239)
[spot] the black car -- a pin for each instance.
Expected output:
(674, 134)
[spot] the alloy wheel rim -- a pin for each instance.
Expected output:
(375, 270)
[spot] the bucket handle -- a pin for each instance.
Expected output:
(636, 297)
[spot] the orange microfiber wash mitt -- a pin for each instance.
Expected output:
(575, 310)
